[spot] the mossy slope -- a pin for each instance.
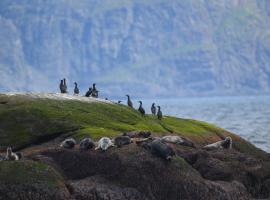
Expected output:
(25, 120)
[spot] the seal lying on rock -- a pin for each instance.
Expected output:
(86, 144)
(68, 143)
(122, 140)
(159, 148)
(223, 144)
(104, 143)
(12, 156)
(177, 140)
(138, 134)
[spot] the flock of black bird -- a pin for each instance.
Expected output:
(93, 92)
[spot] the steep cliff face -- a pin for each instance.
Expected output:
(149, 48)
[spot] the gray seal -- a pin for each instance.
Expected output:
(159, 148)
(122, 140)
(86, 143)
(104, 143)
(68, 143)
(177, 140)
(223, 144)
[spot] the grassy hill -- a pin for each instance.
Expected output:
(27, 119)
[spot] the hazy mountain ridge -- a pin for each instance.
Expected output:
(147, 48)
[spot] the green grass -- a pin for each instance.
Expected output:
(24, 121)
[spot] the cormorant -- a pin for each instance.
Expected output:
(141, 109)
(159, 113)
(61, 87)
(129, 102)
(65, 86)
(76, 89)
(119, 102)
(153, 109)
(94, 92)
(89, 92)
(106, 99)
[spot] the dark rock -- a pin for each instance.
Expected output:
(100, 189)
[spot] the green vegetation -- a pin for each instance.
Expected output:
(25, 120)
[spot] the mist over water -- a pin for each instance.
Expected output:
(248, 117)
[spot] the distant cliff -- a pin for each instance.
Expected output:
(143, 47)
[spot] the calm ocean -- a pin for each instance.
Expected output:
(248, 117)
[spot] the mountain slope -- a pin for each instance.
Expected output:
(157, 48)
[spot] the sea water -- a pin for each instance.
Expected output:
(248, 117)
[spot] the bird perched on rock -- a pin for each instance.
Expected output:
(12, 156)
(141, 109)
(95, 91)
(65, 86)
(153, 109)
(129, 102)
(89, 92)
(159, 113)
(76, 89)
(119, 102)
(61, 86)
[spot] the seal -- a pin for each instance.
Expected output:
(177, 140)
(86, 143)
(138, 134)
(159, 148)
(223, 144)
(122, 140)
(68, 143)
(104, 143)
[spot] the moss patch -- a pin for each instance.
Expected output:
(29, 172)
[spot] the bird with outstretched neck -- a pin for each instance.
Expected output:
(141, 109)
(89, 92)
(129, 102)
(159, 113)
(153, 109)
(76, 89)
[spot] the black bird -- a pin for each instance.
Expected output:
(141, 109)
(76, 89)
(65, 86)
(119, 102)
(94, 92)
(61, 86)
(159, 113)
(153, 109)
(129, 102)
(89, 92)
(106, 99)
